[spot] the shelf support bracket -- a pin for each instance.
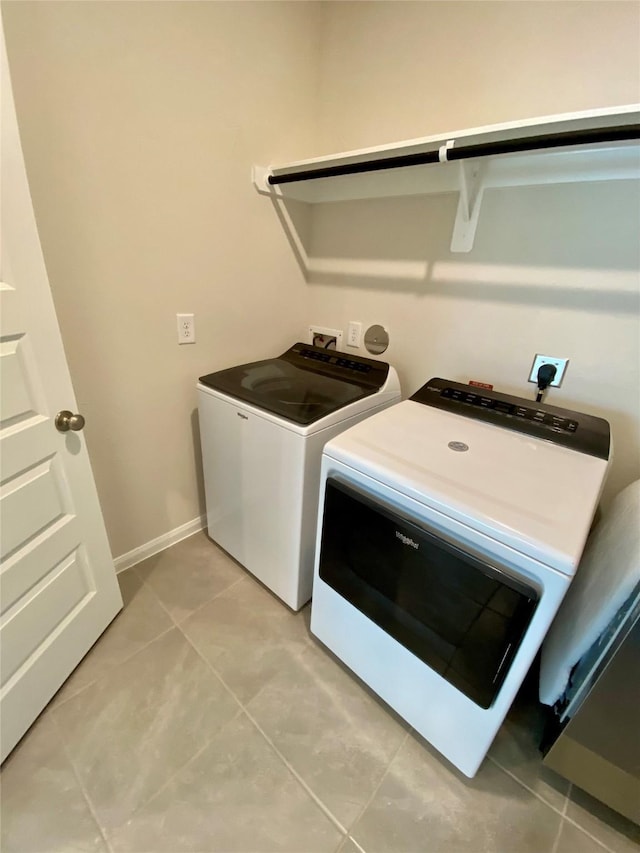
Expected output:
(471, 179)
(259, 177)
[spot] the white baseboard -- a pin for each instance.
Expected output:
(125, 561)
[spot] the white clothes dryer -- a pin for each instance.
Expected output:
(262, 429)
(451, 526)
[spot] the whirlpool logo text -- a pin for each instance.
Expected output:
(406, 540)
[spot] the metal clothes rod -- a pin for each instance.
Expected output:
(482, 149)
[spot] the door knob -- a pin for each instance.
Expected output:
(67, 420)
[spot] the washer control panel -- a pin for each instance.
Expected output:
(335, 358)
(584, 433)
(367, 372)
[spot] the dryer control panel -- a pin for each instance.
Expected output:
(584, 433)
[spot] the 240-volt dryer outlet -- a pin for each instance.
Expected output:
(560, 365)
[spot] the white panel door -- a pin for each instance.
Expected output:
(58, 588)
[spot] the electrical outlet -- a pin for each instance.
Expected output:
(186, 328)
(354, 334)
(560, 365)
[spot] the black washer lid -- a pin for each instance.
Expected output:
(302, 385)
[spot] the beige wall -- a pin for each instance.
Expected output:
(397, 70)
(140, 123)
(554, 269)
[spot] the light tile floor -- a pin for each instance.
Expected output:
(207, 718)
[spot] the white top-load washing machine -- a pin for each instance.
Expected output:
(262, 429)
(450, 528)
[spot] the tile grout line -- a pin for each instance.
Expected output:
(198, 608)
(246, 576)
(563, 813)
(377, 788)
(61, 702)
(103, 830)
(156, 597)
(209, 600)
(175, 625)
(297, 776)
(355, 843)
(175, 773)
(128, 657)
(589, 835)
(556, 843)
(524, 785)
(287, 764)
(566, 800)
(83, 791)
